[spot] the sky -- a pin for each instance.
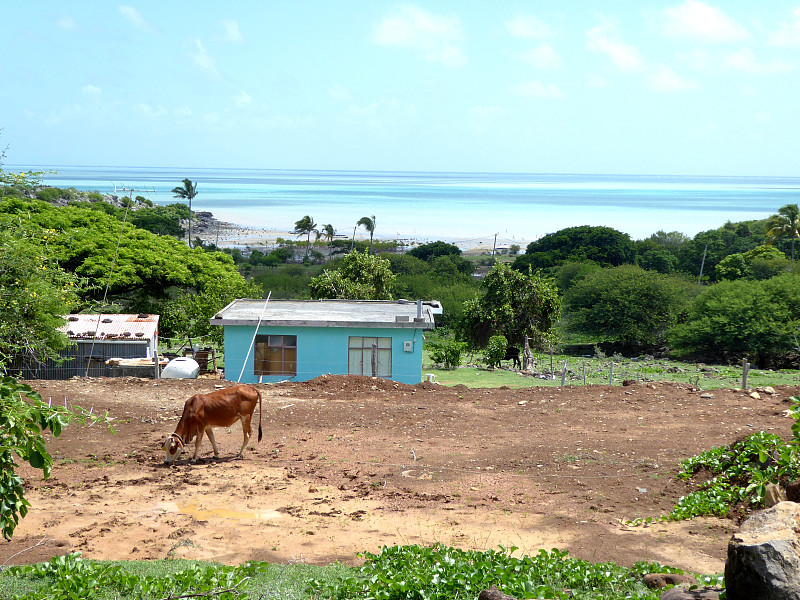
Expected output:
(681, 87)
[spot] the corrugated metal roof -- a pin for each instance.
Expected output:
(111, 327)
(328, 313)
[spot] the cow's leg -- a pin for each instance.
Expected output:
(197, 446)
(246, 431)
(210, 434)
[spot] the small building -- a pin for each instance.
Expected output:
(94, 340)
(298, 340)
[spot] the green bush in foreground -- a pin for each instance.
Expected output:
(442, 573)
(740, 472)
(397, 573)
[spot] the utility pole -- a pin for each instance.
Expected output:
(702, 264)
(493, 248)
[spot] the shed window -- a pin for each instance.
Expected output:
(276, 355)
(359, 356)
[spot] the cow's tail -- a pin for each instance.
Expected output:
(259, 414)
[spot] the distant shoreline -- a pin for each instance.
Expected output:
(231, 235)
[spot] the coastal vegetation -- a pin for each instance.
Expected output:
(726, 294)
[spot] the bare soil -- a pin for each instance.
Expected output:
(351, 464)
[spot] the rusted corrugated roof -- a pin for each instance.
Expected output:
(111, 327)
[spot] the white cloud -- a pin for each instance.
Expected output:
(745, 60)
(91, 90)
(436, 37)
(242, 99)
(231, 31)
(152, 112)
(701, 21)
(67, 23)
(536, 89)
(340, 92)
(543, 57)
(528, 27)
(788, 34)
(605, 40)
(595, 81)
(136, 19)
(67, 113)
(663, 79)
(197, 52)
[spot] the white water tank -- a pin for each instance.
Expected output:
(182, 367)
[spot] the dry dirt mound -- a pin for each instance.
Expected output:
(350, 464)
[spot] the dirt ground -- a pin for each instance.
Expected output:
(351, 464)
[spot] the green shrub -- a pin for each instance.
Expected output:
(627, 304)
(495, 350)
(733, 319)
(447, 352)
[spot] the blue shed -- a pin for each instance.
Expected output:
(298, 340)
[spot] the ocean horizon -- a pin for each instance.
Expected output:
(464, 208)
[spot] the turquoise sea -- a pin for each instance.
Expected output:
(459, 207)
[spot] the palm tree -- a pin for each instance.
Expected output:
(328, 232)
(369, 224)
(305, 226)
(785, 223)
(187, 192)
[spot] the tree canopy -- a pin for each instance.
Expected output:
(514, 305)
(434, 249)
(627, 304)
(134, 270)
(759, 320)
(603, 245)
(357, 277)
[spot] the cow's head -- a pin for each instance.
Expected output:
(173, 446)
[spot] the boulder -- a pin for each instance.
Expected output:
(494, 594)
(764, 556)
(705, 593)
(774, 494)
(661, 580)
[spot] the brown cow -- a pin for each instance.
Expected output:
(221, 408)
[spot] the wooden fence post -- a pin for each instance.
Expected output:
(745, 371)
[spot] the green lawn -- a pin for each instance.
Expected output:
(593, 371)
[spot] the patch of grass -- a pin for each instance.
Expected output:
(71, 577)
(598, 371)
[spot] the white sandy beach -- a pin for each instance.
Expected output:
(229, 235)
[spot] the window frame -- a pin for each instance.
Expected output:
(266, 348)
(359, 355)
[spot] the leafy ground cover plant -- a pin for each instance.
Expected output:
(442, 573)
(738, 474)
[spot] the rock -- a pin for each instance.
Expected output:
(707, 395)
(661, 580)
(793, 491)
(764, 557)
(494, 594)
(767, 390)
(755, 395)
(773, 494)
(706, 593)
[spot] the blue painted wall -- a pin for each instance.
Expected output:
(320, 350)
